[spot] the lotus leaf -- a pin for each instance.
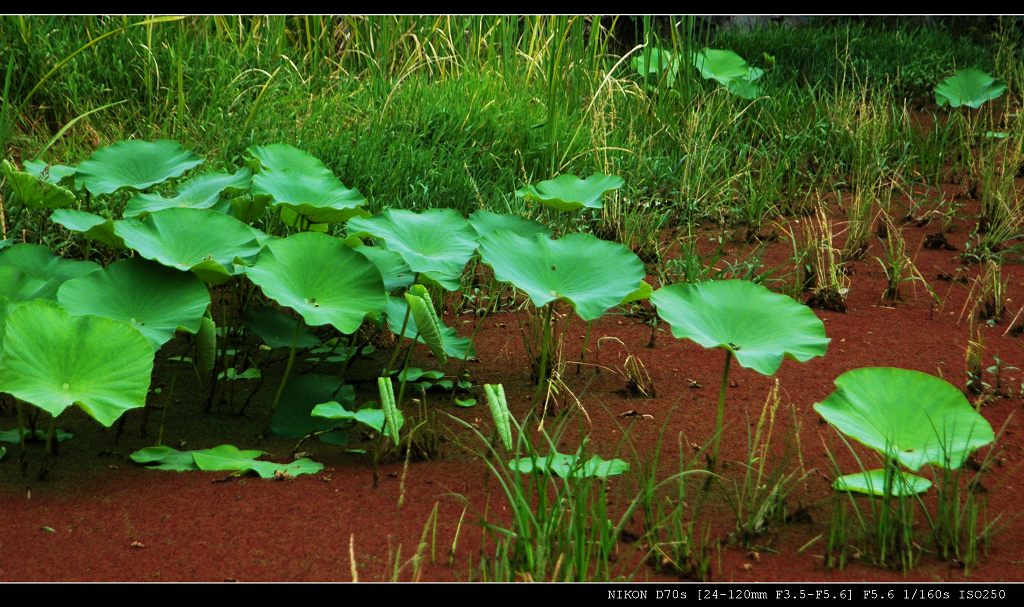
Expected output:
(43, 272)
(200, 192)
(971, 87)
(321, 278)
(594, 275)
(50, 173)
(53, 360)
(301, 395)
(154, 299)
(730, 70)
(91, 225)
(208, 243)
(485, 222)
(276, 329)
(436, 244)
(570, 193)
(221, 459)
(758, 326)
(454, 346)
(335, 412)
(656, 61)
(134, 164)
(33, 192)
(569, 465)
(911, 416)
(300, 182)
(872, 482)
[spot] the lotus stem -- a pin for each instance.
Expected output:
(51, 444)
(583, 352)
(545, 345)
(401, 334)
(720, 416)
(287, 368)
(21, 435)
(405, 365)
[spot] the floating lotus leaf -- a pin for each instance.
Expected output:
(12, 435)
(569, 465)
(53, 360)
(221, 459)
(321, 278)
(914, 417)
(655, 63)
(454, 346)
(208, 243)
(33, 192)
(436, 244)
(92, 226)
(570, 193)
(276, 329)
(594, 275)
(335, 412)
(300, 182)
(152, 298)
(971, 87)
(50, 173)
(485, 222)
(200, 192)
(730, 70)
(134, 164)
(872, 482)
(759, 327)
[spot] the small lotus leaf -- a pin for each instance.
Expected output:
(230, 458)
(570, 193)
(915, 417)
(872, 482)
(134, 164)
(33, 192)
(569, 465)
(759, 327)
(334, 411)
(321, 278)
(300, 182)
(154, 299)
(276, 329)
(594, 275)
(485, 222)
(91, 225)
(730, 70)
(971, 87)
(50, 173)
(12, 435)
(436, 244)
(164, 458)
(208, 243)
(656, 62)
(53, 360)
(200, 192)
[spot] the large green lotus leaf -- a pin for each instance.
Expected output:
(436, 243)
(730, 70)
(43, 272)
(231, 458)
(485, 222)
(201, 240)
(335, 412)
(321, 278)
(33, 192)
(594, 275)
(570, 193)
(200, 192)
(54, 360)
(759, 327)
(915, 417)
(291, 418)
(318, 198)
(92, 226)
(50, 173)
(392, 267)
(276, 329)
(154, 299)
(655, 62)
(872, 482)
(134, 164)
(568, 465)
(970, 86)
(454, 346)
